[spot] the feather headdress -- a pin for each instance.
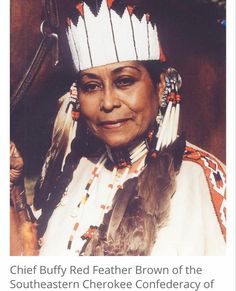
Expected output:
(109, 32)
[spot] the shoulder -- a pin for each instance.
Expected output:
(214, 172)
(201, 157)
(213, 169)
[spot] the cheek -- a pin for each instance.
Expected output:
(147, 115)
(145, 105)
(89, 108)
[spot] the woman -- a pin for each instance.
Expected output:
(126, 184)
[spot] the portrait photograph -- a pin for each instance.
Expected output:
(118, 128)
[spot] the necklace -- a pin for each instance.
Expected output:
(119, 173)
(126, 156)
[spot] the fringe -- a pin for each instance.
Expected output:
(131, 227)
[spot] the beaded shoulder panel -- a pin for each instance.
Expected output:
(216, 180)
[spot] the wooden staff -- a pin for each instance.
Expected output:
(23, 235)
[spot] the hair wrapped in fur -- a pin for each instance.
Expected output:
(62, 137)
(54, 185)
(50, 195)
(140, 209)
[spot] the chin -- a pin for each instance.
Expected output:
(117, 143)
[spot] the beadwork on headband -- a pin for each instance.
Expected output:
(106, 37)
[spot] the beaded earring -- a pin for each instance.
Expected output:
(73, 108)
(168, 122)
(74, 103)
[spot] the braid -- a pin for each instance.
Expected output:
(83, 145)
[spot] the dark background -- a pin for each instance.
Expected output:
(193, 40)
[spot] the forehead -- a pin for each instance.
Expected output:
(114, 68)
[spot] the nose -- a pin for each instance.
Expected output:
(109, 100)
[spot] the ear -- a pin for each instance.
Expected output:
(160, 87)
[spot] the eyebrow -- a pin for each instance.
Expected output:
(89, 75)
(120, 69)
(115, 71)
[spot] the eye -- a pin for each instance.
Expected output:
(90, 86)
(125, 81)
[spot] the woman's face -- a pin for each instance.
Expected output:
(119, 101)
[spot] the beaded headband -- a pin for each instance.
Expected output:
(101, 32)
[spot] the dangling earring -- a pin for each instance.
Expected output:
(163, 105)
(70, 125)
(74, 102)
(168, 122)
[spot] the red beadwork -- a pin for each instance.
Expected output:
(76, 226)
(162, 55)
(89, 233)
(171, 97)
(130, 9)
(94, 172)
(177, 98)
(75, 115)
(109, 3)
(216, 180)
(80, 8)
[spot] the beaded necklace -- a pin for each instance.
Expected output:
(116, 182)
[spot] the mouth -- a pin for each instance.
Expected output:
(113, 124)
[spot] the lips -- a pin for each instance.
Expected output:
(113, 124)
